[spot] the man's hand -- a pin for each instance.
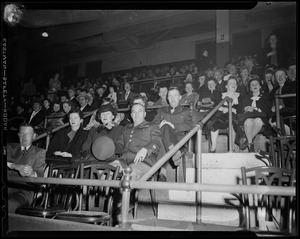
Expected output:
(57, 153)
(26, 170)
(225, 110)
(140, 156)
(63, 154)
(163, 122)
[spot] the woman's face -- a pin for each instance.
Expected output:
(201, 80)
(46, 104)
(189, 88)
(92, 91)
(75, 120)
(244, 73)
(231, 85)
(273, 39)
(280, 77)
(66, 108)
(211, 85)
(107, 117)
(56, 107)
(111, 90)
(255, 86)
(232, 69)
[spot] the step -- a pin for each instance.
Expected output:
(217, 207)
(154, 224)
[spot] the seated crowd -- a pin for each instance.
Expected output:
(141, 136)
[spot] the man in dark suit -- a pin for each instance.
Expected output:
(72, 98)
(37, 116)
(83, 99)
(25, 160)
(128, 96)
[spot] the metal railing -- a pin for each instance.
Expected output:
(159, 79)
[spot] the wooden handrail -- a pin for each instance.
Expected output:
(255, 189)
(186, 138)
(86, 114)
(160, 78)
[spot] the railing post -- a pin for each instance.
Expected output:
(125, 186)
(277, 111)
(198, 162)
(230, 125)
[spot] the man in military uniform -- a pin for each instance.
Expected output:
(174, 121)
(139, 143)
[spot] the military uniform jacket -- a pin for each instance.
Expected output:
(145, 135)
(181, 118)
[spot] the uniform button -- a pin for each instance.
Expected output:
(131, 135)
(130, 140)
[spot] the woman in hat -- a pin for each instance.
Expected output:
(67, 142)
(256, 111)
(105, 115)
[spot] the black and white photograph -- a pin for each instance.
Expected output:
(176, 118)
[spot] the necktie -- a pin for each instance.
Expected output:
(126, 95)
(24, 151)
(254, 99)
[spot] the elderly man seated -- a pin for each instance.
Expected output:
(23, 160)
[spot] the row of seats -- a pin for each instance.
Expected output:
(87, 204)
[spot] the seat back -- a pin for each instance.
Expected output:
(283, 151)
(267, 211)
(59, 195)
(288, 125)
(99, 198)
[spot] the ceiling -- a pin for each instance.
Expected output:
(82, 33)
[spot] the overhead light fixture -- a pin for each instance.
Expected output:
(45, 34)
